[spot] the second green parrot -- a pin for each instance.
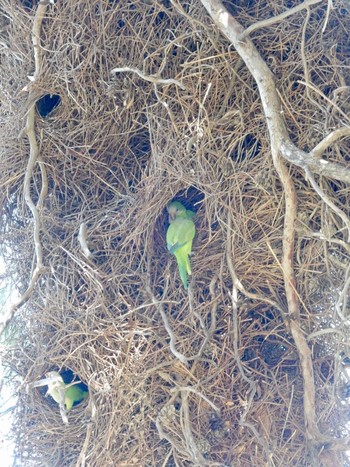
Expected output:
(179, 237)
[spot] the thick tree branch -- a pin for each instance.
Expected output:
(269, 97)
(280, 145)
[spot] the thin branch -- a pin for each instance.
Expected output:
(304, 160)
(198, 393)
(197, 456)
(328, 201)
(82, 239)
(342, 302)
(277, 19)
(150, 78)
(172, 344)
(329, 8)
(304, 60)
(329, 140)
(234, 302)
(33, 159)
(320, 93)
(81, 462)
(322, 332)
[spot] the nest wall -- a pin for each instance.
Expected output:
(224, 386)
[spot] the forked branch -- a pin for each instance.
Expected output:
(281, 145)
(270, 99)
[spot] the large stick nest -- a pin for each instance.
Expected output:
(174, 378)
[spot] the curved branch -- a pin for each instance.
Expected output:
(328, 201)
(269, 96)
(329, 140)
(34, 157)
(276, 19)
(149, 78)
(281, 145)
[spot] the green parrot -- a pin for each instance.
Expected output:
(63, 393)
(179, 237)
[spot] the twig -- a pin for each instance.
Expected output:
(195, 391)
(81, 462)
(329, 8)
(234, 301)
(327, 200)
(320, 93)
(167, 326)
(33, 158)
(240, 286)
(192, 447)
(328, 140)
(166, 105)
(277, 19)
(150, 78)
(198, 134)
(161, 432)
(304, 60)
(82, 238)
(322, 332)
(342, 303)
(171, 334)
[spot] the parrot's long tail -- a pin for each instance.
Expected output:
(184, 265)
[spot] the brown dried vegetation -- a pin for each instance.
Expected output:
(174, 378)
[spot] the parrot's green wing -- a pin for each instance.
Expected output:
(190, 214)
(179, 238)
(74, 394)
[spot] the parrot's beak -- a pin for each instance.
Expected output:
(172, 214)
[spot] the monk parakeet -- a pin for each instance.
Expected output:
(179, 236)
(64, 393)
(74, 394)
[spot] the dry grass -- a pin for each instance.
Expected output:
(116, 150)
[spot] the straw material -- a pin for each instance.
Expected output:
(157, 104)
